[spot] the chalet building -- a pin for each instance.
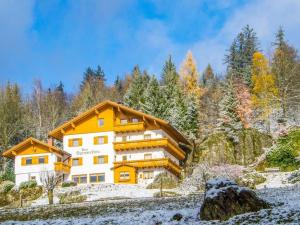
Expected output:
(110, 143)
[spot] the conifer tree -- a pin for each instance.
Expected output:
(239, 59)
(134, 96)
(229, 120)
(152, 99)
(208, 76)
(191, 118)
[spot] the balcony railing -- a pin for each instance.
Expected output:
(151, 163)
(129, 127)
(61, 167)
(151, 143)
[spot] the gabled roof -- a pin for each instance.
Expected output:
(58, 132)
(12, 152)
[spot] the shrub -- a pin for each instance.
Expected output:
(71, 197)
(294, 177)
(285, 152)
(68, 184)
(168, 182)
(6, 186)
(28, 184)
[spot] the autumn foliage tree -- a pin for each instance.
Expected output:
(264, 92)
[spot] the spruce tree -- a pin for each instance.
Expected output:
(239, 59)
(208, 76)
(134, 96)
(191, 118)
(152, 99)
(229, 120)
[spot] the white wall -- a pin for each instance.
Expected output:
(23, 173)
(87, 151)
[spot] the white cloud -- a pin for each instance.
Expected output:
(264, 16)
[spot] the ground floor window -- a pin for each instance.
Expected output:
(148, 174)
(97, 178)
(124, 176)
(80, 179)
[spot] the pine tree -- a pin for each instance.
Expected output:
(229, 120)
(239, 59)
(265, 92)
(191, 118)
(152, 99)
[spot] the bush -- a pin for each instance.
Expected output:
(6, 186)
(294, 177)
(285, 152)
(168, 182)
(71, 197)
(68, 184)
(28, 184)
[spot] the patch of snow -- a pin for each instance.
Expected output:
(275, 180)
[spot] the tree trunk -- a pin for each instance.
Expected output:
(50, 197)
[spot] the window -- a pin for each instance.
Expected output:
(124, 176)
(148, 175)
(28, 161)
(76, 142)
(124, 138)
(134, 120)
(58, 159)
(123, 121)
(147, 136)
(102, 159)
(42, 160)
(124, 157)
(148, 156)
(80, 179)
(100, 122)
(99, 140)
(76, 161)
(97, 178)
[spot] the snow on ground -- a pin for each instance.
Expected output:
(275, 180)
(101, 191)
(161, 211)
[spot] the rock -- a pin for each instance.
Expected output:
(224, 199)
(250, 180)
(177, 217)
(219, 149)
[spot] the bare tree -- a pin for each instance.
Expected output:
(50, 180)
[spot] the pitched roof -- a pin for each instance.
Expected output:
(58, 132)
(10, 153)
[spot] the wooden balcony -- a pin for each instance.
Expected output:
(151, 163)
(151, 143)
(62, 168)
(129, 127)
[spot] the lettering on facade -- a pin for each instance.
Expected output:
(87, 152)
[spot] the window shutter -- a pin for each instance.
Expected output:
(80, 161)
(96, 160)
(105, 139)
(23, 161)
(46, 159)
(70, 143)
(106, 159)
(80, 141)
(95, 140)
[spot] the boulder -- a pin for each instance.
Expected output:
(224, 199)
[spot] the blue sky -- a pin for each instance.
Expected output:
(55, 40)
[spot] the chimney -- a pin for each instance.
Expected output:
(50, 141)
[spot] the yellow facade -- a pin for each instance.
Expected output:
(125, 169)
(62, 167)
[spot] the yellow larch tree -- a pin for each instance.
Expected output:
(264, 92)
(190, 76)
